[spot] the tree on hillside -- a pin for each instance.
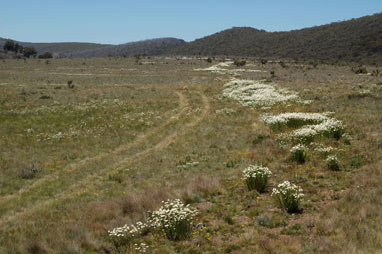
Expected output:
(30, 51)
(12, 46)
(18, 48)
(21, 48)
(9, 45)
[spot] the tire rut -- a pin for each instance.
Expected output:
(89, 182)
(183, 104)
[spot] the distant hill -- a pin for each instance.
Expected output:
(146, 47)
(77, 49)
(353, 40)
(58, 47)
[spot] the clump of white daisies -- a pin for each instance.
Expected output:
(309, 126)
(298, 153)
(256, 177)
(220, 68)
(217, 68)
(331, 128)
(254, 94)
(174, 220)
(141, 247)
(294, 119)
(288, 196)
(324, 150)
(127, 235)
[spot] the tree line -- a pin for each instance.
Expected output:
(25, 51)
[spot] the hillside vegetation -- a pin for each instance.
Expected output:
(146, 47)
(58, 47)
(353, 40)
(77, 49)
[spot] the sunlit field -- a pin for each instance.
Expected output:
(193, 156)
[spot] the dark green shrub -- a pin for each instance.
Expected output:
(29, 51)
(46, 55)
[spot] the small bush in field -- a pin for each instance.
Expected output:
(45, 55)
(70, 84)
(239, 63)
(174, 220)
(298, 153)
(332, 163)
(256, 177)
(359, 70)
(29, 173)
(288, 196)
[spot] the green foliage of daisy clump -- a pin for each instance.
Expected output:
(332, 163)
(288, 196)
(299, 153)
(256, 177)
(173, 219)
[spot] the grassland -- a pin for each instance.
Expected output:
(77, 162)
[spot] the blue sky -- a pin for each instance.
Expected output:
(120, 21)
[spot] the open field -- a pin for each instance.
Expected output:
(77, 162)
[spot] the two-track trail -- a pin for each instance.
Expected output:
(183, 103)
(89, 183)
